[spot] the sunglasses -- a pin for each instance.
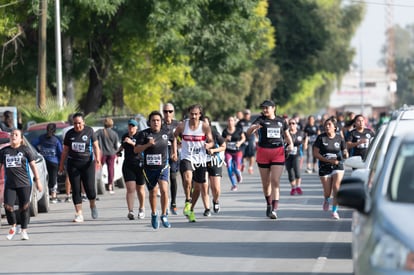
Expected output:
(168, 111)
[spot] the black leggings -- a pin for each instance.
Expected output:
(82, 172)
(10, 195)
(293, 167)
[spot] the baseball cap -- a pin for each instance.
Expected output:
(132, 122)
(267, 103)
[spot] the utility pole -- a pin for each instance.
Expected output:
(42, 55)
(58, 56)
(390, 59)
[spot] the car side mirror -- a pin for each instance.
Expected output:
(353, 194)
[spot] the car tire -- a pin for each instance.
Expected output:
(100, 187)
(34, 210)
(120, 183)
(43, 204)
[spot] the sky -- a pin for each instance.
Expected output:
(370, 36)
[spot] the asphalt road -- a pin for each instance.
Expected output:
(238, 240)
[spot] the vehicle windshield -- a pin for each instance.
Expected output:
(402, 177)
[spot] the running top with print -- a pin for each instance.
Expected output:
(130, 155)
(155, 156)
(80, 143)
(272, 131)
(330, 148)
(16, 163)
(193, 144)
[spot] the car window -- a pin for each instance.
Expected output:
(401, 188)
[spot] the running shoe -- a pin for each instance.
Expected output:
(191, 217)
(141, 213)
(111, 192)
(84, 198)
(131, 215)
(250, 170)
(173, 210)
(207, 213)
(78, 218)
(164, 221)
(12, 232)
(187, 208)
(94, 213)
(25, 236)
(309, 171)
(154, 220)
(54, 200)
(68, 199)
(325, 205)
(273, 215)
(293, 191)
(239, 178)
(268, 210)
(233, 188)
(216, 207)
(299, 190)
(335, 215)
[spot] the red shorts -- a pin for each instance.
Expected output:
(269, 156)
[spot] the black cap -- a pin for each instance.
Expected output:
(51, 127)
(267, 103)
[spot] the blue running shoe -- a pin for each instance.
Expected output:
(154, 221)
(164, 221)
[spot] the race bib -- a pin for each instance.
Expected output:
(13, 161)
(78, 147)
(154, 159)
(273, 132)
(194, 150)
(231, 146)
(294, 151)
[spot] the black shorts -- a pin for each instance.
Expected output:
(214, 170)
(133, 171)
(199, 170)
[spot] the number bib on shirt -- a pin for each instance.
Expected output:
(273, 132)
(154, 159)
(78, 147)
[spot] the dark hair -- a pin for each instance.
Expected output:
(195, 106)
(333, 120)
(153, 113)
(75, 115)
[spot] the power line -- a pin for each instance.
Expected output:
(381, 3)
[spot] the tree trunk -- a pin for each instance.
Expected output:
(92, 101)
(68, 67)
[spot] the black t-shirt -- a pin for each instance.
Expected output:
(130, 156)
(330, 148)
(271, 134)
(156, 156)
(236, 136)
(355, 136)
(16, 163)
(80, 143)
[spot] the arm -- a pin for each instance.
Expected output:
(209, 135)
(289, 140)
(63, 159)
(97, 152)
(174, 146)
(242, 140)
(139, 148)
(253, 128)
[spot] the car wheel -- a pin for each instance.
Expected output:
(34, 211)
(100, 187)
(43, 203)
(120, 183)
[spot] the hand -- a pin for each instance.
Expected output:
(39, 185)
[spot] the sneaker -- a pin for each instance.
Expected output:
(335, 215)
(154, 221)
(173, 210)
(78, 218)
(54, 200)
(309, 171)
(325, 205)
(233, 188)
(293, 191)
(84, 198)
(68, 199)
(94, 213)
(250, 170)
(131, 215)
(268, 210)
(273, 215)
(216, 207)
(239, 178)
(141, 213)
(191, 217)
(164, 221)
(207, 213)
(25, 236)
(187, 209)
(12, 232)
(111, 192)
(299, 191)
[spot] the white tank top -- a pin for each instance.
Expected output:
(193, 144)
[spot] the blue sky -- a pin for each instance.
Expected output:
(370, 36)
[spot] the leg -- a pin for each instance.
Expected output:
(130, 194)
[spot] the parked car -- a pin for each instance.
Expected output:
(383, 242)
(121, 123)
(40, 200)
(399, 124)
